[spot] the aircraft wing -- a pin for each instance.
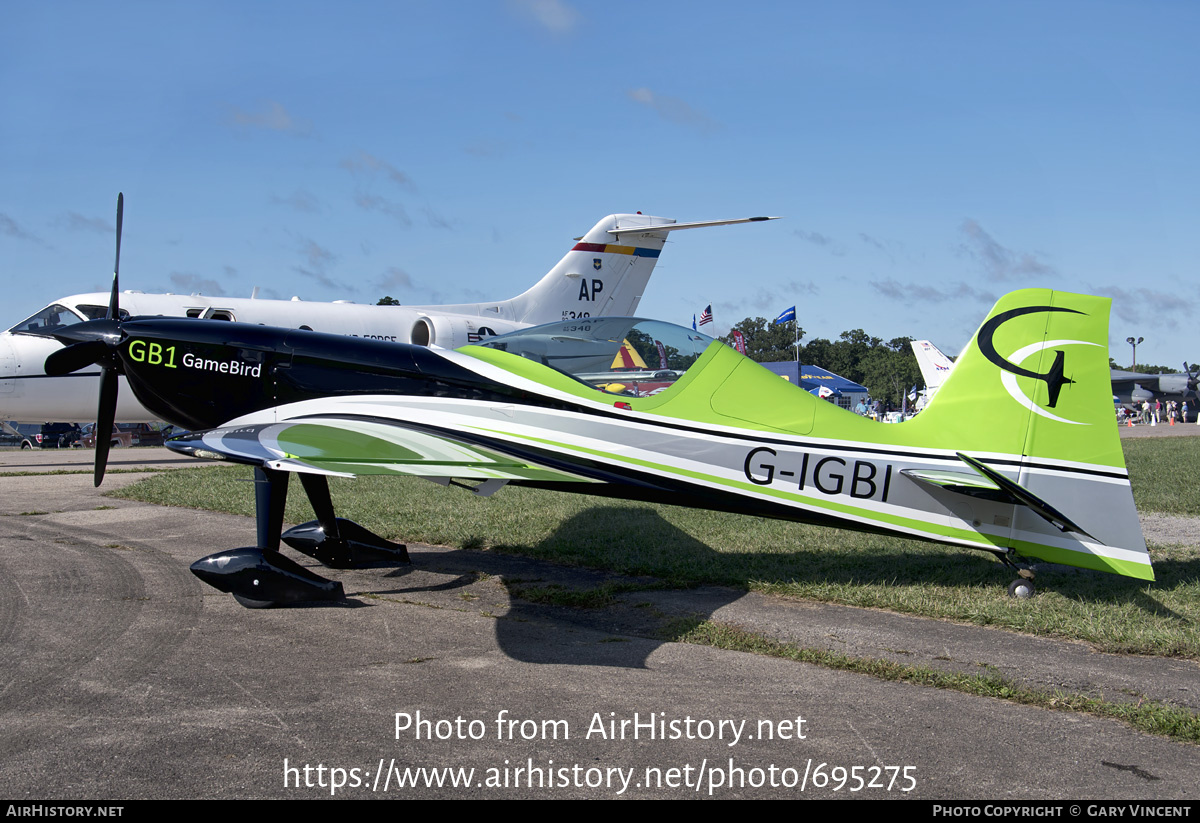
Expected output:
(346, 447)
(1147, 381)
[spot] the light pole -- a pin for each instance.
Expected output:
(1134, 343)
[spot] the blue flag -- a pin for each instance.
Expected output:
(694, 323)
(788, 314)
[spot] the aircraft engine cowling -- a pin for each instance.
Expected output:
(1139, 395)
(450, 331)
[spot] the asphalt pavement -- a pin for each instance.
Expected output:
(122, 677)
(1160, 430)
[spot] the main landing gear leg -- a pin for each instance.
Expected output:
(260, 576)
(335, 541)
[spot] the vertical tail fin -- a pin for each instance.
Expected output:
(935, 366)
(604, 273)
(1035, 380)
(1031, 398)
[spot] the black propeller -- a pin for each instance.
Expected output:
(106, 410)
(96, 342)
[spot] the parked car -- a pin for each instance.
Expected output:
(143, 434)
(41, 435)
(117, 438)
(131, 434)
(9, 436)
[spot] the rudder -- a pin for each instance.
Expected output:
(1031, 397)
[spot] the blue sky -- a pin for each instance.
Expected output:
(926, 157)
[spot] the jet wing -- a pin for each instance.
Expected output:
(348, 447)
(1146, 381)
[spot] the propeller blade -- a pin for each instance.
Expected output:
(106, 411)
(106, 414)
(75, 357)
(114, 309)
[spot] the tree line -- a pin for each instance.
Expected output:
(888, 370)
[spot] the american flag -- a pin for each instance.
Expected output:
(706, 315)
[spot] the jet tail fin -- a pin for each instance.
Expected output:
(605, 272)
(935, 366)
(1030, 402)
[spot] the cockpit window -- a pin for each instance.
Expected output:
(98, 312)
(620, 355)
(47, 320)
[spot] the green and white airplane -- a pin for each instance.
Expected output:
(1019, 455)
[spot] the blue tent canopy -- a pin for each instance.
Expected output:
(810, 378)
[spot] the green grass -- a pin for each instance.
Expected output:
(555, 594)
(1165, 473)
(684, 547)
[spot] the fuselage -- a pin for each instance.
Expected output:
(27, 393)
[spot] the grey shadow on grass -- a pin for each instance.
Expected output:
(580, 596)
(551, 602)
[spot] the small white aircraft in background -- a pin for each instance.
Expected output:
(935, 368)
(604, 273)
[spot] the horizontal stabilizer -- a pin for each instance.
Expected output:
(962, 482)
(1022, 495)
(697, 225)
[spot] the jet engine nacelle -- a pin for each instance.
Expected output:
(1140, 395)
(449, 331)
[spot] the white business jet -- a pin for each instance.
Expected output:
(604, 273)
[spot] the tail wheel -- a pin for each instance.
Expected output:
(1021, 589)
